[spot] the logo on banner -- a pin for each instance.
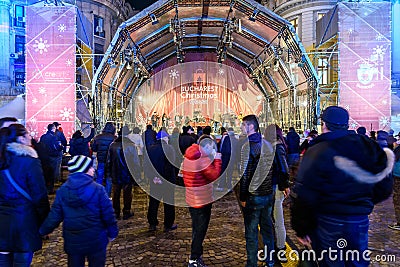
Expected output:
(365, 73)
(199, 77)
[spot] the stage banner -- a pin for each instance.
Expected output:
(198, 93)
(365, 63)
(50, 68)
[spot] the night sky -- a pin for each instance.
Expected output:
(140, 4)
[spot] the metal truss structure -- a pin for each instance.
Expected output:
(244, 31)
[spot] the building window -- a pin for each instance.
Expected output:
(323, 71)
(295, 24)
(98, 25)
(98, 50)
(19, 16)
(19, 78)
(20, 49)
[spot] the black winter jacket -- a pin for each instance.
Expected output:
(117, 167)
(342, 173)
(149, 137)
(158, 161)
(185, 141)
(21, 218)
(101, 143)
(257, 157)
(80, 146)
(87, 213)
(280, 173)
(293, 142)
(53, 146)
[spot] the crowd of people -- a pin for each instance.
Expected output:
(334, 179)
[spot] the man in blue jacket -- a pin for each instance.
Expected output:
(340, 179)
(84, 207)
(101, 144)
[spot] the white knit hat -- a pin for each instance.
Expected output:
(79, 164)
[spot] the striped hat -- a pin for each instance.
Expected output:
(79, 164)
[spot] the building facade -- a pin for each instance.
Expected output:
(304, 14)
(99, 20)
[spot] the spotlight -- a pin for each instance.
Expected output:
(254, 15)
(276, 64)
(154, 19)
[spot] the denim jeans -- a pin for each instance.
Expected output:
(164, 192)
(293, 159)
(280, 230)
(16, 259)
(127, 195)
(100, 176)
(200, 220)
(337, 232)
(97, 259)
(258, 212)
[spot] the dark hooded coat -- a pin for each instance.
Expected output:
(342, 174)
(21, 218)
(102, 142)
(87, 213)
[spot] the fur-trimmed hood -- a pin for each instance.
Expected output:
(351, 168)
(21, 150)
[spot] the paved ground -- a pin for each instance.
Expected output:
(224, 244)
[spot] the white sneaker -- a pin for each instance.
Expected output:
(196, 263)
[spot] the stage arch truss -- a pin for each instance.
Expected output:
(266, 66)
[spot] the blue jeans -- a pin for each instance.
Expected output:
(165, 193)
(336, 232)
(97, 259)
(293, 159)
(16, 259)
(200, 220)
(100, 176)
(258, 212)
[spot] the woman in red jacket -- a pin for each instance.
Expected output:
(201, 166)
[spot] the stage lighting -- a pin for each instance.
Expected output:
(154, 19)
(276, 64)
(254, 15)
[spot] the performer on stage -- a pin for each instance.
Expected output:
(164, 120)
(154, 120)
(178, 120)
(216, 120)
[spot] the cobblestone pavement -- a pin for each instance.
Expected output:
(224, 244)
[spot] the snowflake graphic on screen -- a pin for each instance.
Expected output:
(353, 125)
(379, 51)
(174, 74)
(221, 71)
(42, 90)
(347, 107)
(379, 37)
(69, 62)
(66, 114)
(33, 133)
(62, 27)
(33, 120)
(384, 121)
(384, 101)
(35, 100)
(41, 46)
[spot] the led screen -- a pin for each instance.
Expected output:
(365, 64)
(50, 68)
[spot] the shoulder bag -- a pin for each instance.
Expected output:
(16, 186)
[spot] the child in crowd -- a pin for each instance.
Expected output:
(87, 213)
